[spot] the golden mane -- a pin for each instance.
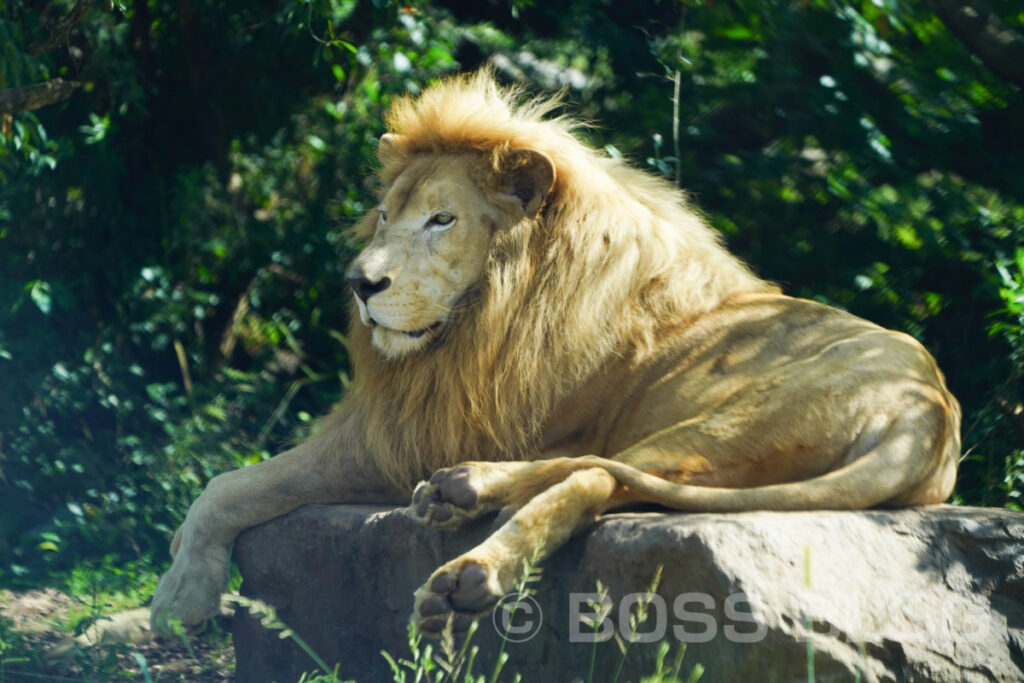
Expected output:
(614, 260)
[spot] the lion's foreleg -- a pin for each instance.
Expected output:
(470, 585)
(234, 501)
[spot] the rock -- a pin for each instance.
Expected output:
(929, 594)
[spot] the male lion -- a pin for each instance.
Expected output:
(567, 324)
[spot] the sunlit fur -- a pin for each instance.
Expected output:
(611, 341)
(614, 260)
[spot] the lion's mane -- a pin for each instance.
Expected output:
(613, 262)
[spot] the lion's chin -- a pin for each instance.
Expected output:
(396, 343)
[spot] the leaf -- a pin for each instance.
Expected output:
(140, 659)
(39, 292)
(737, 32)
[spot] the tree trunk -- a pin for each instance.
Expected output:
(994, 42)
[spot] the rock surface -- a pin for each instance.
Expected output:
(929, 594)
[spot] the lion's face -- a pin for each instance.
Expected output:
(434, 228)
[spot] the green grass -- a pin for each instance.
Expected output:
(97, 592)
(445, 661)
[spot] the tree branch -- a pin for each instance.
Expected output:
(995, 43)
(59, 32)
(34, 96)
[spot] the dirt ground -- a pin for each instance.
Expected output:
(37, 635)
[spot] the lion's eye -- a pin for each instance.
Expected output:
(383, 216)
(441, 219)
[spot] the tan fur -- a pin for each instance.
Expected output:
(616, 257)
(581, 337)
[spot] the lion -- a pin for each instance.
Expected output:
(545, 331)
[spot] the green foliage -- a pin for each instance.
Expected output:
(24, 145)
(62, 643)
(1011, 318)
(15, 649)
(1010, 324)
(637, 617)
(171, 237)
(176, 301)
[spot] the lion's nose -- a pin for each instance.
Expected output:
(365, 287)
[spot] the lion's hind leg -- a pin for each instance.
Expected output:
(456, 495)
(471, 584)
(911, 461)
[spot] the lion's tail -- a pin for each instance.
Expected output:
(896, 467)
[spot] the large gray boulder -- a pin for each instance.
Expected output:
(929, 594)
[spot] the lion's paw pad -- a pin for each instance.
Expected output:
(461, 597)
(447, 500)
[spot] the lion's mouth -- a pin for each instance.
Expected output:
(414, 334)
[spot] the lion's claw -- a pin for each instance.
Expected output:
(447, 500)
(461, 596)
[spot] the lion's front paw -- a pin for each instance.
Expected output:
(190, 590)
(460, 591)
(449, 499)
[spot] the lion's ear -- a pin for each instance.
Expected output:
(527, 176)
(387, 144)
